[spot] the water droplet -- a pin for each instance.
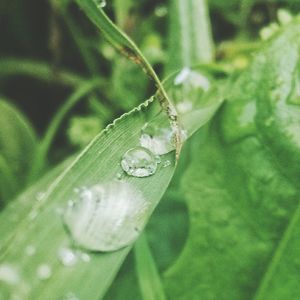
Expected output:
(85, 257)
(30, 250)
(40, 196)
(101, 3)
(9, 274)
(104, 217)
(161, 11)
(192, 78)
(120, 175)
(139, 162)
(158, 159)
(11, 284)
(67, 257)
(70, 296)
(158, 136)
(166, 163)
(44, 271)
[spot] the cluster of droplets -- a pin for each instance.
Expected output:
(110, 216)
(157, 136)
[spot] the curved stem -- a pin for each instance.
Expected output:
(37, 69)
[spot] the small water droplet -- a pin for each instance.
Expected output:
(158, 159)
(40, 196)
(120, 175)
(166, 163)
(85, 257)
(159, 137)
(12, 285)
(139, 162)
(67, 257)
(161, 11)
(192, 78)
(44, 271)
(104, 218)
(101, 3)
(70, 296)
(9, 274)
(30, 250)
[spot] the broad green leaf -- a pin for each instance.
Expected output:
(243, 190)
(17, 149)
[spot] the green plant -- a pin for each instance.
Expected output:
(238, 172)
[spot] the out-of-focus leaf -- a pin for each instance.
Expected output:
(190, 40)
(148, 276)
(243, 190)
(17, 149)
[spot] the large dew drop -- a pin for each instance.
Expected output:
(107, 217)
(139, 162)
